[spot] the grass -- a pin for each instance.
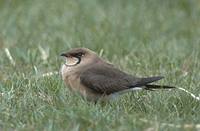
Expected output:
(141, 37)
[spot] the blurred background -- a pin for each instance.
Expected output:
(144, 38)
(118, 27)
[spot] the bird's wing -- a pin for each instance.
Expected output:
(105, 79)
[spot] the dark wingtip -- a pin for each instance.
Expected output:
(152, 79)
(145, 81)
(151, 86)
(160, 77)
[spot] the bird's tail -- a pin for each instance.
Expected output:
(146, 87)
(155, 87)
(144, 83)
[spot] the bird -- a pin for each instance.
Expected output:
(87, 74)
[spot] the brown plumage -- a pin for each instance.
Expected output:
(86, 73)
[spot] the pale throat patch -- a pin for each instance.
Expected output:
(70, 61)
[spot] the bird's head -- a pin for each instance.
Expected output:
(79, 56)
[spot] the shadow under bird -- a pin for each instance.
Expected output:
(94, 78)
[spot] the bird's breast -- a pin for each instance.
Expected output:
(76, 86)
(72, 81)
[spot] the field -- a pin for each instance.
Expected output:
(143, 38)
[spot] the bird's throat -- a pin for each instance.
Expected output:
(72, 61)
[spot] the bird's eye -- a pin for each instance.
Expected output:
(80, 54)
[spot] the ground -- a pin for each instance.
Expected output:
(143, 38)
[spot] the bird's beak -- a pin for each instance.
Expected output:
(64, 54)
